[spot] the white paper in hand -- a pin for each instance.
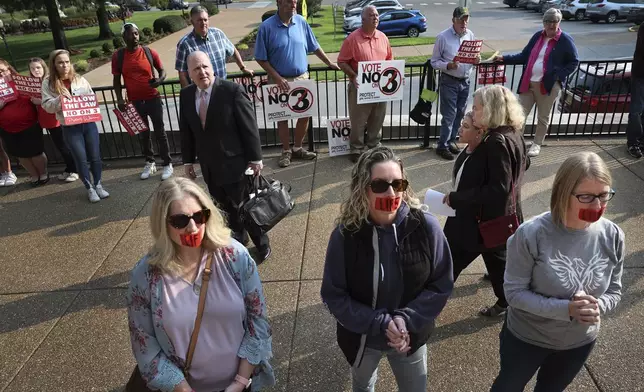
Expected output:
(434, 203)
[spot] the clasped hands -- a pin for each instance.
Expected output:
(398, 335)
(584, 308)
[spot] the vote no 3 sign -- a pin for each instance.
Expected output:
(381, 81)
(81, 109)
(298, 101)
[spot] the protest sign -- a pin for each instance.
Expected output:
(81, 109)
(380, 81)
(7, 90)
(131, 120)
(298, 101)
(469, 51)
(338, 131)
(491, 74)
(253, 89)
(28, 85)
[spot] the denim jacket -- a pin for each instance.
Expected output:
(154, 352)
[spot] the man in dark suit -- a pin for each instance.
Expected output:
(217, 124)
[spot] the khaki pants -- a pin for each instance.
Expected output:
(369, 116)
(544, 107)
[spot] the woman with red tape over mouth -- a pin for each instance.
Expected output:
(563, 273)
(387, 274)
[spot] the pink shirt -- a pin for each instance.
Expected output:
(215, 361)
(359, 46)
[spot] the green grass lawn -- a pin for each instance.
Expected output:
(23, 47)
(331, 42)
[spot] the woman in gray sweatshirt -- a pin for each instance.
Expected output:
(563, 273)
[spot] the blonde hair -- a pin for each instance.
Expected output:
(575, 169)
(42, 64)
(55, 83)
(163, 254)
(354, 210)
(500, 107)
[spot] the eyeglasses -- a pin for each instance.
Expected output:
(550, 21)
(180, 221)
(588, 198)
(381, 186)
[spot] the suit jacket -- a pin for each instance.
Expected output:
(230, 139)
(485, 186)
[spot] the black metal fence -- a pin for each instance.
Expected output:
(594, 102)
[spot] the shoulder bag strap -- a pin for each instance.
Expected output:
(148, 55)
(205, 278)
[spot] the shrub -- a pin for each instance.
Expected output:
(118, 42)
(242, 47)
(249, 38)
(211, 7)
(169, 24)
(107, 48)
(160, 4)
(81, 66)
(94, 54)
(268, 14)
(147, 32)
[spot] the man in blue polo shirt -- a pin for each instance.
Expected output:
(283, 42)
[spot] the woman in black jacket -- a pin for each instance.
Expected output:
(487, 177)
(387, 275)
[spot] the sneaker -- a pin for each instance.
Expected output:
(72, 177)
(43, 179)
(10, 179)
(635, 151)
(303, 154)
(534, 150)
(150, 168)
(63, 176)
(101, 192)
(453, 148)
(167, 172)
(93, 196)
(3, 177)
(445, 153)
(285, 159)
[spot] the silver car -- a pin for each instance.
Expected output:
(574, 9)
(611, 10)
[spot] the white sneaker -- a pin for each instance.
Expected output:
(167, 172)
(71, 177)
(101, 192)
(93, 196)
(63, 176)
(3, 177)
(150, 168)
(10, 179)
(534, 150)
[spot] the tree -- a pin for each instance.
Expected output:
(104, 30)
(56, 26)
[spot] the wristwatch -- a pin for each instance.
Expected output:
(244, 381)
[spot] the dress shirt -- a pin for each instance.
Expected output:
(216, 45)
(446, 48)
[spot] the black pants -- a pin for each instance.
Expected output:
(228, 198)
(494, 262)
(56, 135)
(153, 108)
(520, 360)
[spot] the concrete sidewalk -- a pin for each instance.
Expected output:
(65, 265)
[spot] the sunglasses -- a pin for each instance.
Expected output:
(381, 186)
(180, 221)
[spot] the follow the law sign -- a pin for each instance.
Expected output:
(381, 81)
(338, 132)
(298, 101)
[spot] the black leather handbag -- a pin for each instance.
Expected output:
(422, 112)
(268, 202)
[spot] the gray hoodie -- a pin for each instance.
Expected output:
(546, 265)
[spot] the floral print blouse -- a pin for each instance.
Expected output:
(155, 355)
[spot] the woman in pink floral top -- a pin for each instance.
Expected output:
(234, 342)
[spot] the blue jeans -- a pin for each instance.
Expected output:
(410, 371)
(82, 140)
(453, 100)
(520, 360)
(634, 131)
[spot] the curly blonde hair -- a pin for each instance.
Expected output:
(354, 211)
(500, 107)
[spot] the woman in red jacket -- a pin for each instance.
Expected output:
(21, 134)
(38, 69)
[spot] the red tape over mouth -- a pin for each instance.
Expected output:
(388, 204)
(590, 214)
(191, 240)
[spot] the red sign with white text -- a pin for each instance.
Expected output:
(131, 120)
(81, 109)
(7, 90)
(28, 85)
(469, 51)
(491, 74)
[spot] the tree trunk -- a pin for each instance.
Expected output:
(56, 26)
(104, 31)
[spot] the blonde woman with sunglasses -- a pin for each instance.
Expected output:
(387, 275)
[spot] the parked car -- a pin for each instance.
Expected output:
(406, 22)
(178, 5)
(511, 3)
(379, 4)
(354, 20)
(636, 15)
(598, 88)
(574, 9)
(533, 5)
(611, 10)
(547, 4)
(137, 5)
